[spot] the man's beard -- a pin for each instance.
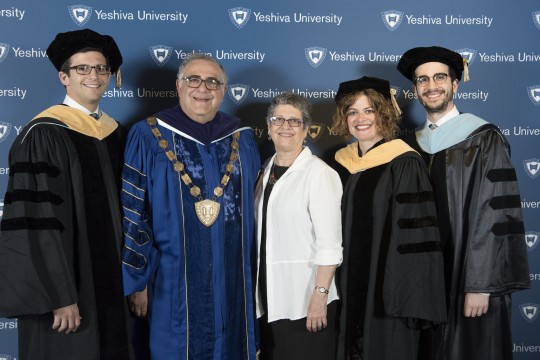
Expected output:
(431, 109)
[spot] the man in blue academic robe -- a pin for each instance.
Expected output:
(187, 195)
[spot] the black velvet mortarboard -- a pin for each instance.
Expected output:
(69, 43)
(421, 55)
(365, 82)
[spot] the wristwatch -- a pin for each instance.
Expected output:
(321, 289)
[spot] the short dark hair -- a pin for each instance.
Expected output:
(295, 100)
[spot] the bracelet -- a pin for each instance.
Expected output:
(321, 289)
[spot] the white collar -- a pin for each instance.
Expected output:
(450, 115)
(72, 103)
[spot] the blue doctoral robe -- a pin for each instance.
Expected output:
(199, 278)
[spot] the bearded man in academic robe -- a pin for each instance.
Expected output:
(478, 207)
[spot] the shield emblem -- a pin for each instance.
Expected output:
(238, 92)
(529, 311)
(161, 54)
(239, 16)
(392, 19)
(532, 167)
(315, 55)
(4, 50)
(315, 131)
(531, 239)
(534, 94)
(80, 14)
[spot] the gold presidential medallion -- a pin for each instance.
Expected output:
(207, 211)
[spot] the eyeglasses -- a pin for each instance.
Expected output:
(87, 69)
(423, 80)
(210, 83)
(278, 121)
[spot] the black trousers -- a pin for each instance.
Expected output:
(290, 340)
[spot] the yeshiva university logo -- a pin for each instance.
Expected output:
(315, 55)
(533, 91)
(468, 54)
(532, 167)
(315, 131)
(161, 54)
(529, 311)
(80, 14)
(392, 19)
(238, 92)
(536, 19)
(239, 16)
(4, 50)
(531, 239)
(5, 129)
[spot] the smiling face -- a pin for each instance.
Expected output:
(200, 104)
(437, 99)
(87, 90)
(362, 123)
(287, 139)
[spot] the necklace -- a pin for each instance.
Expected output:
(272, 179)
(207, 210)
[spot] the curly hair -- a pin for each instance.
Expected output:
(387, 117)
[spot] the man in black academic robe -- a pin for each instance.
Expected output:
(60, 269)
(479, 211)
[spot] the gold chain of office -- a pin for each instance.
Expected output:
(207, 210)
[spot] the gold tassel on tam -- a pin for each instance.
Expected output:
(118, 84)
(394, 101)
(466, 70)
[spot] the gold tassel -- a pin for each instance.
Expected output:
(393, 93)
(118, 84)
(466, 70)
(258, 355)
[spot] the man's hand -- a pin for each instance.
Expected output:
(475, 304)
(138, 303)
(66, 319)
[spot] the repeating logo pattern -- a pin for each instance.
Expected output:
(238, 92)
(536, 19)
(315, 55)
(161, 54)
(529, 311)
(239, 16)
(80, 14)
(532, 167)
(315, 131)
(4, 50)
(392, 19)
(534, 94)
(5, 129)
(468, 54)
(531, 239)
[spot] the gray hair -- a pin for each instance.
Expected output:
(200, 56)
(295, 100)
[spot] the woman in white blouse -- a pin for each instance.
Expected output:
(298, 214)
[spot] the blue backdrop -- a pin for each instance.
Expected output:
(302, 46)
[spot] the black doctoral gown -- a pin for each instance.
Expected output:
(391, 279)
(482, 231)
(60, 237)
